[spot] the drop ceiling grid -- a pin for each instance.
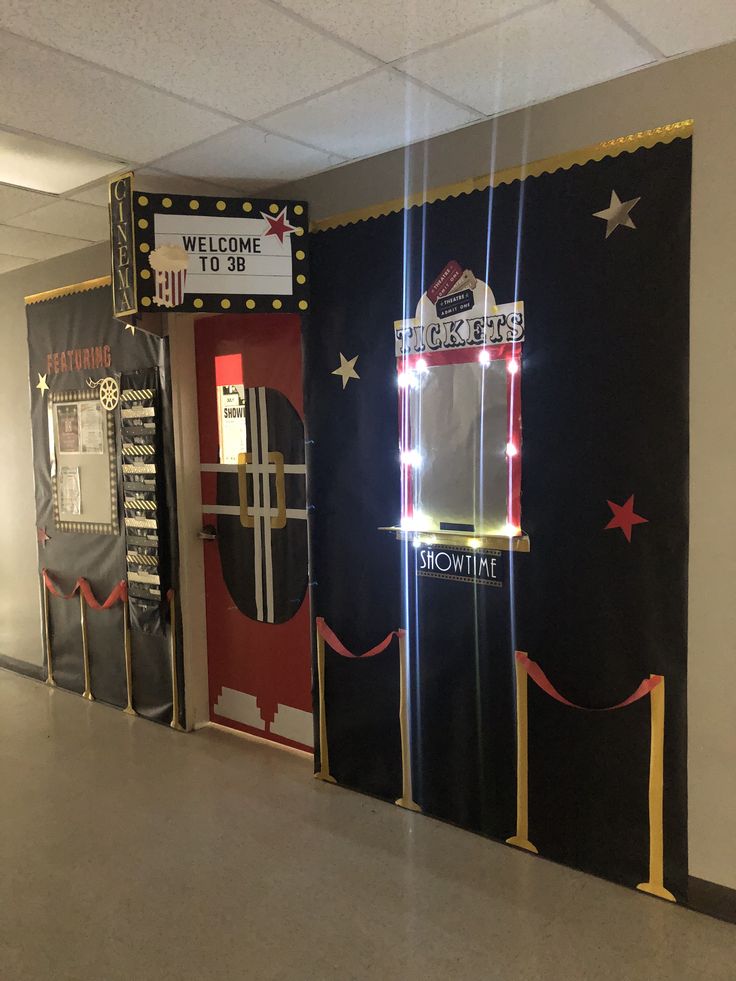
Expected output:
(201, 101)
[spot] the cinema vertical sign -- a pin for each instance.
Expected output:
(201, 254)
(122, 240)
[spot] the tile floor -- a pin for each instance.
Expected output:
(129, 851)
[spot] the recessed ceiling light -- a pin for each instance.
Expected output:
(40, 165)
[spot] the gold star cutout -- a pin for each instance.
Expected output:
(617, 213)
(346, 371)
(42, 385)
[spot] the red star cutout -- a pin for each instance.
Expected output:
(278, 226)
(624, 517)
(42, 537)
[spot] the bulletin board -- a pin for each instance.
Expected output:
(83, 463)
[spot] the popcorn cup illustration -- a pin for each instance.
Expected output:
(169, 262)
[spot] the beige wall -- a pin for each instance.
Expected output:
(20, 610)
(701, 87)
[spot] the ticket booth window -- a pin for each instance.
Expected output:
(460, 442)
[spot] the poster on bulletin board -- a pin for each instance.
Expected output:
(176, 252)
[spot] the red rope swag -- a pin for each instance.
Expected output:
(119, 593)
(331, 638)
(540, 678)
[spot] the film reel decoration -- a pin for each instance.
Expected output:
(109, 391)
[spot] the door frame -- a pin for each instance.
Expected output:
(180, 330)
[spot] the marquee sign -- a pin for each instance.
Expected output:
(205, 254)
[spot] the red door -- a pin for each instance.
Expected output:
(251, 436)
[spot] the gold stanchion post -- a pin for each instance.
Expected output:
(655, 884)
(129, 710)
(407, 797)
(521, 838)
(47, 631)
(324, 752)
(85, 649)
(175, 724)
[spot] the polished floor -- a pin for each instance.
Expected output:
(128, 851)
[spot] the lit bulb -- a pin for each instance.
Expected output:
(511, 530)
(404, 379)
(421, 365)
(484, 357)
(513, 366)
(474, 542)
(411, 458)
(511, 449)
(416, 542)
(407, 522)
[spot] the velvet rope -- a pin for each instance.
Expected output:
(119, 593)
(337, 645)
(540, 678)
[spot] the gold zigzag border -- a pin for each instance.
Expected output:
(89, 284)
(563, 161)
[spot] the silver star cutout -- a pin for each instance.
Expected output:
(346, 371)
(617, 213)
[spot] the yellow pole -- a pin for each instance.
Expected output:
(655, 884)
(129, 710)
(47, 629)
(521, 838)
(324, 757)
(407, 798)
(85, 649)
(175, 724)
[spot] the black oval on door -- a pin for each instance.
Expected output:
(265, 566)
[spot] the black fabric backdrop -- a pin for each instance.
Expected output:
(605, 416)
(67, 323)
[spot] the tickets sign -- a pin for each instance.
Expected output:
(207, 254)
(458, 311)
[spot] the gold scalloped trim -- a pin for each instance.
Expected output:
(89, 284)
(563, 161)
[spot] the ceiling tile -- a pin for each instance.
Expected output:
(43, 165)
(160, 182)
(16, 200)
(93, 108)
(241, 56)
(245, 154)
(388, 29)
(94, 194)
(539, 55)
(67, 218)
(675, 26)
(9, 262)
(36, 245)
(374, 114)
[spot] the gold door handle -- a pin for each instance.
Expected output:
(248, 520)
(278, 461)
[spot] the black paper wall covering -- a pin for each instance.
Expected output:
(605, 416)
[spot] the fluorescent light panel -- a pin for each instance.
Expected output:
(39, 165)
